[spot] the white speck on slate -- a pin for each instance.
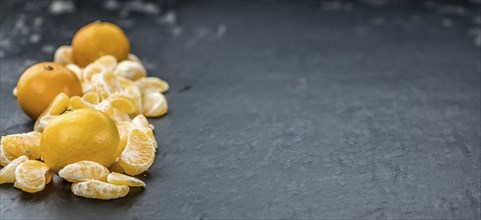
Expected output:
(331, 5)
(476, 32)
(375, 3)
(148, 64)
(126, 23)
(302, 83)
(176, 31)
(139, 6)
(28, 62)
(5, 43)
(48, 48)
(169, 18)
(221, 30)
(34, 38)
(447, 22)
(112, 4)
(200, 34)
(477, 41)
(37, 21)
(61, 7)
(20, 26)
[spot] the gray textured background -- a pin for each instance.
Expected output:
(281, 109)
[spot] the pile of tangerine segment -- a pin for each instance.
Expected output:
(90, 107)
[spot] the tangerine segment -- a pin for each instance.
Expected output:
(63, 55)
(87, 87)
(122, 179)
(94, 189)
(119, 115)
(7, 174)
(141, 123)
(83, 171)
(154, 104)
(58, 106)
(106, 84)
(91, 97)
(27, 144)
(139, 153)
(131, 70)
(75, 69)
(43, 121)
(77, 103)
(107, 62)
(124, 82)
(134, 58)
(123, 102)
(134, 92)
(48, 177)
(152, 84)
(124, 128)
(91, 70)
(5, 158)
(31, 176)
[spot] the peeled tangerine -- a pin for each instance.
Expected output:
(95, 189)
(27, 144)
(84, 171)
(82, 134)
(122, 179)
(32, 176)
(7, 174)
(138, 154)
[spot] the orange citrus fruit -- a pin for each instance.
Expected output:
(82, 134)
(97, 39)
(40, 83)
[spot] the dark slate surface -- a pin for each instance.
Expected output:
(281, 109)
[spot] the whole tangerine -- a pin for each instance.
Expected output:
(82, 134)
(98, 39)
(41, 83)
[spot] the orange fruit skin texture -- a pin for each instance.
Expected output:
(40, 83)
(83, 134)
(97, 39)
